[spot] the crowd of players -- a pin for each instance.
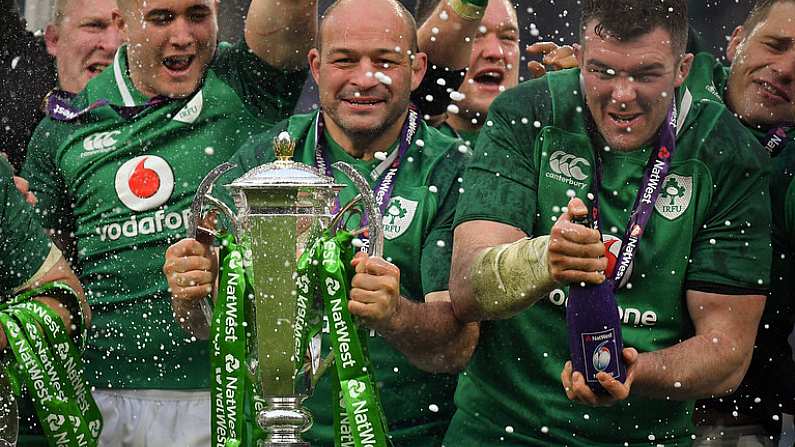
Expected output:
(488, 192)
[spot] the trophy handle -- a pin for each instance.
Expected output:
(206, 235)
(366, 197)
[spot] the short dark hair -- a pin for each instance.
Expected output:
(630, 19)
(407, 18)
(759, 13)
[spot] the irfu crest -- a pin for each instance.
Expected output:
(398, 216)
(675, 196)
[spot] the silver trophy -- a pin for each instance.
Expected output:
(281, 207)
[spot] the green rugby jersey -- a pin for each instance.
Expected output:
(709, 230)
(772, 353)
(418, 240)
(23, 249)
(23, 243)
(468, 137)
(123, 187)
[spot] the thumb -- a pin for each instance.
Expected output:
(576, 209)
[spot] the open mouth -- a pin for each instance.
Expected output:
(96, 68)
(492, 78)
(625, 120)
(178, 63)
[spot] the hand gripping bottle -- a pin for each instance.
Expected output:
(594, 328)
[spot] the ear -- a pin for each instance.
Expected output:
(419, 65)
(119, 23)
(684, 69)
(579, 54)
(314, 63)
(737, 38)
(51, 39)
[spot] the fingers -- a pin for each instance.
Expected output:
(554, 57)
(541, 48)
(375, 291)
(24, 188)
(536, 69)
(190, 269)
(565, 379)
(191, 293)
(188, 247)
(575, 387)
(576, 208)
(576, 241)
(616, 389)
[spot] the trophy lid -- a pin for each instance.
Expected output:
(284, 173)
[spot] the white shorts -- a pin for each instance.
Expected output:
(154, 418)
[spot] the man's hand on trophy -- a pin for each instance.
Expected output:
(375, 291)
(577, 390)
(575, 252)
(191, 269)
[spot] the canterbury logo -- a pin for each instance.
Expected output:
(569, 165)
(100, 141)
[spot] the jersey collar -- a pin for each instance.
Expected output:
(124, 91)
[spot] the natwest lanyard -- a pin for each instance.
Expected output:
(775, 140)
(650, 187)
(385, 172)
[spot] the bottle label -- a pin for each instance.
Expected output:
(600, 352)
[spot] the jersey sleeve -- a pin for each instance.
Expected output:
(45, 178)
(23, 244)
(437, 249)
(731, 252)
(502, 172)
(268, 92)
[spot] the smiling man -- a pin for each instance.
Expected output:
(365, 77)
(115, 170)
(690, 305)
(78, 43)
(493, 68)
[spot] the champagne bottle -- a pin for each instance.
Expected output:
(594, 328)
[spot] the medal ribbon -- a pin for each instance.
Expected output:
(228, 337)
(51, 367)
(775, 140)
(385, 173)
(653, 177)
(59, 107)
(353, 383)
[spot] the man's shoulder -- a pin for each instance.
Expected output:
(438, 147)
(707, 78)
(720, 139)
(529, 93)
(259, 148)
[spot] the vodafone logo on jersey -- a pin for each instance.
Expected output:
(144, 183)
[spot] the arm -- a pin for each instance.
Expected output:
(282, 32)
(428, 333)
(55, 268)
(712, 362)
(497, 271)
(446, 36)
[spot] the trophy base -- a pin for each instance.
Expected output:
(282, 444)
(283, 420)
